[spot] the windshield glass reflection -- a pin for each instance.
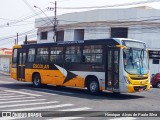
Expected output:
(135, 61)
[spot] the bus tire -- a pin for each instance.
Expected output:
(93, 86)
(36, 80)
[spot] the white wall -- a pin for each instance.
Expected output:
(50, 35)
(107, 15)
(4, 64)
(96, 33)
(69, 35)
(128, 14)
(154, 68)
(149, 35)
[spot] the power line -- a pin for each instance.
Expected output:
(31, 22)
(27, 32)
(21, 38)
(29, 6)
(23, 19)
(44, 14)
(15, 22)
(91, 32)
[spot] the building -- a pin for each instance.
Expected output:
(5, 57)
(141, 23)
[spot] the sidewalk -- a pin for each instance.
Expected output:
(4, 73)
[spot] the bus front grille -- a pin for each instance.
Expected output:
(142, 78)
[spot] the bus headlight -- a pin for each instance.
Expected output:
(126, 79)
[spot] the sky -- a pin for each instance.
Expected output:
(18, 16)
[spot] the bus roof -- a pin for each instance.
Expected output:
(17, 46)
(109, 41)
(81, 42)
(127, 39)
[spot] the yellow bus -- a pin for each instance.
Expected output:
(117, 65)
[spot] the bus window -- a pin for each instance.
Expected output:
(42, 55)
(73, 54)
(24, 58)
(31, 55)
(93, 53)
(14, 59)
(56, 54)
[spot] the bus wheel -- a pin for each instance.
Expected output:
(93, 86)
(158, 85)
(36, 80)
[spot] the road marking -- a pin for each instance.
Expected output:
(39, 92)
(1, 92)
(76, 109)
(17, 105)
(16, 98)
(13, 96)
(65, 118)
(5, 82)
(54, 91)
(7, 94)
(40, 108)
(24, 93)
(124, 118)
(22, 101)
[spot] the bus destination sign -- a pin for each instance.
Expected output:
(154, 54)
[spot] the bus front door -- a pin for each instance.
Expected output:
(21, 64)
(112, 69)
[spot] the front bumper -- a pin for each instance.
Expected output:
(138, 88)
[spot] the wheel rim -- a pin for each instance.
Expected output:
(36, 81)
(158, 85)
(93, 86)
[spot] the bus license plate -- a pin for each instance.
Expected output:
(140, 89)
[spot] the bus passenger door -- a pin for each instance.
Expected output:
(21, 64)
(112, 69)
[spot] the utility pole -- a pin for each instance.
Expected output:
(17, 38)
(25, 42)
(55, 22)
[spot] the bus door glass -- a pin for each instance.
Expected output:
(21, 64)
(112, 69)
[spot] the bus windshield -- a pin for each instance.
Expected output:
(135, 60)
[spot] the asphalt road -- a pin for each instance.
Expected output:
(58, 102)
